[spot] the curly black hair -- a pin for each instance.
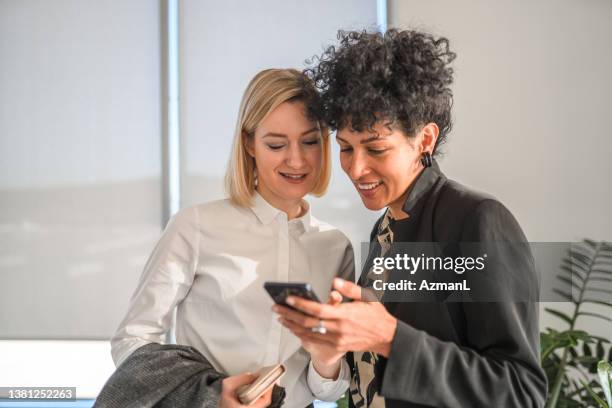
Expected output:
(400, 77)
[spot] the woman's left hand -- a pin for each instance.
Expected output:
(325, 358)
(352, 326)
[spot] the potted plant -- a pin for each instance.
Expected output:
(570, 357)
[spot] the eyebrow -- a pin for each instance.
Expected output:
(364, 141)
(274, 134)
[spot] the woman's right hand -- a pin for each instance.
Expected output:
(229, 397)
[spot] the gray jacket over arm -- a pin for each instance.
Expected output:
(171, 376)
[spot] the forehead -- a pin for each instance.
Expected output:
(379, 132)
(286, 118)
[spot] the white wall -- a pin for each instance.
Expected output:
(532, 104)
(79, 162)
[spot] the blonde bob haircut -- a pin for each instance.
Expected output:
(267, 90)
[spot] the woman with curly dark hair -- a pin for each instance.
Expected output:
(472, 340)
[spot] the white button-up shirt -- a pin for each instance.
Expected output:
(211, 263)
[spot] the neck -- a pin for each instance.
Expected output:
(396, 209)
(293, 208)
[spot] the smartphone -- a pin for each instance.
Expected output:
(280, 290)
(266, 378)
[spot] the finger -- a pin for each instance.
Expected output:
(347, 289)
(335, 298)
(297, 329)
(311, 308)
(307, 335)
(263, 401)
(297, 317)
(301, 331)
(240, 379)
(331, 326)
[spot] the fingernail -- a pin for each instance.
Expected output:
(290, 301)
(339, 282)
(275, 308)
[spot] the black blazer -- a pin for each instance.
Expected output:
(455, 353)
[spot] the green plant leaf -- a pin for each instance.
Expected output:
(574, 274)
(576, 255)
(604, 370)
(578, 335)
(582, 249)
(587, 268)
(343, 401)
(586, 360)
(569, 282)
(560, 315)
(565, 295)
(599, 264)
(581, 257)
(576, 265)
(595, 315)
(600, 290)
(600, 279)
(596, 397)
(598, 302)
(547, 347)
(595, 339)
(579, 261)
(573, 352)
(600, 352)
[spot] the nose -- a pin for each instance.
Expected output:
(295, 157)
(357, 166)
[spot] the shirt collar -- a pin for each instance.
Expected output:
(421, 187)
(266, 213)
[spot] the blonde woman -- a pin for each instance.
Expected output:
(213, 258)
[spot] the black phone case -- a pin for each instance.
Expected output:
(280, 290)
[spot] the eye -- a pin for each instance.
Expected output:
(346, 149)
(275, 146)
(376, 152)
(311, 142)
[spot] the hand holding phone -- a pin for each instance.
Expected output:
(266, 378)
(229, 397)
(279, 291)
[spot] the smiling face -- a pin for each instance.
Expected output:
(287, 150)
(384, 163)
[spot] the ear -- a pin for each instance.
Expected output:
(429, 136)
(248, 144)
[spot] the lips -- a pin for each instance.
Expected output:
(368, 190)
(368, 186)
(294, 177)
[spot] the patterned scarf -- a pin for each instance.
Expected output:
(363, 389)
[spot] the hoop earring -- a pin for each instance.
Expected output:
(426, 160)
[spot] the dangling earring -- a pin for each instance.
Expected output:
(255, 177)
(426, 159)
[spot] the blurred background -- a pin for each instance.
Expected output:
(96, 97)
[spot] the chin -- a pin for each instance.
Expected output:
(293, 194)
(373, 205)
